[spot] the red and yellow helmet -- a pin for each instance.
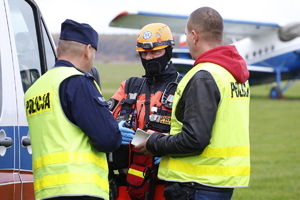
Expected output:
(154, 36)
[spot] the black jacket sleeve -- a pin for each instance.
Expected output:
(197, 111)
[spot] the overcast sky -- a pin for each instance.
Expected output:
(99, 13)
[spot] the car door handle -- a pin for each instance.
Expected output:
(7, 142)
(26, 141)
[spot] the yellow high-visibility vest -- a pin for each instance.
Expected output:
(225, 162)
(64, 162)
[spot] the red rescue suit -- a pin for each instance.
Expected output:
(144, 103)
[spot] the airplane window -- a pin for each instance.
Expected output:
(259, 52)
(247, 56)
(254, 54)
(27, 42)
(266, 49)
(272, 47)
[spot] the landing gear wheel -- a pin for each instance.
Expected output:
(275, 93)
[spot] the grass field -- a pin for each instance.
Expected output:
(274, 136)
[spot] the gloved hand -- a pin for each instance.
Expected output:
(127, 133)
(157, 160)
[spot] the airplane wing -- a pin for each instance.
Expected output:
(136, 20)
(263, 70)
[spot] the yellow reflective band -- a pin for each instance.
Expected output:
(205, 170)
(64, 157)
(70, 178)
(226, 151)
(136, 173)
(97, 86)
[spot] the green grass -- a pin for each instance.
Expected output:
(112, 75)
(274, 136)
(275, 151)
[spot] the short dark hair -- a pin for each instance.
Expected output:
(207, 22)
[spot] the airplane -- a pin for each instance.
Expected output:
(271, 51)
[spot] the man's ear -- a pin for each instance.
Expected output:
(87, 51)
(195, 36)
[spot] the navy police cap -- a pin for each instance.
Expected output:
(79, 32)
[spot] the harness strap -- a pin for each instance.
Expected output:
(131, 84)
(147, 103)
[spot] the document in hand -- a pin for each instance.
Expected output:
(139, 136)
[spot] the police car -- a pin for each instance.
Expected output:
(26, 52)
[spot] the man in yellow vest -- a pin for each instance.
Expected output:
(71, 128)
(207, 153)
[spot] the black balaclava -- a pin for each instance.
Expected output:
(155, 66)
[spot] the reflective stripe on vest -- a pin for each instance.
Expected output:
(225, 162)
(64, 162)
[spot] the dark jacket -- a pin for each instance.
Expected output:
(198, 106)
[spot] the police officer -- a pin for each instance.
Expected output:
(145, 103)
(70, 125)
